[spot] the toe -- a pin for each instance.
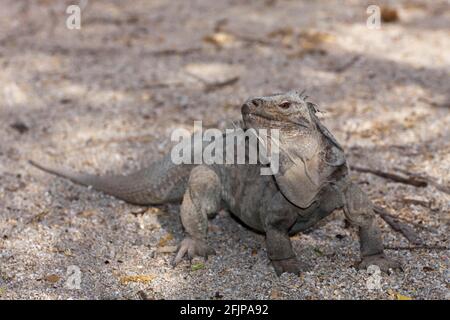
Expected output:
(278, 268)
(180, 254)
(287, 265)
(385, 264)
(192, 248)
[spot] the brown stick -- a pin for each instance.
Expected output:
(424, 247)
(406, 221)
(411, 180)
(430, 180)
(414, 179)
(347, 65)
(220, 84)
(211, 86)
(398, 226)
(175, 52)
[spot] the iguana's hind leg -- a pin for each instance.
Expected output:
(359, 211)
(201, 200)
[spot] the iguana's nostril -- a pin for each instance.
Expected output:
(256, 102)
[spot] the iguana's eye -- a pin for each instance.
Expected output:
(285, 105)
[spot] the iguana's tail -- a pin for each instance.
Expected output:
(162, 182)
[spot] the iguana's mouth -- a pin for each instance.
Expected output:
(250, 115)
(254, 118)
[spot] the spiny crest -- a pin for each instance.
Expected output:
(302, 95)
(311, 106)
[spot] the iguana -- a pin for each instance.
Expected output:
(312, 181)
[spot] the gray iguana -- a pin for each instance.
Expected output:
(312, 181)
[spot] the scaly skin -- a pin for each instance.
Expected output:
(312, 182)
(162, 182)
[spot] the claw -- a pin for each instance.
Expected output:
(291, 265)
(191, 248)
(180, 254)
(380, 260)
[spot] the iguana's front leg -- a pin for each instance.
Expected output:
(201, 199)
(279, 249)
(359, 211)
(277, 223)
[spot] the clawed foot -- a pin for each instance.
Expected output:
(380, 260)
(191, 248)
(291, 265)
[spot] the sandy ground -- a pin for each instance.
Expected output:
(107, 97)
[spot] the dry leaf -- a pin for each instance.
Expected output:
(309, 42)
(316, 37)
(220, 39)
(86, 213)
(389, 14)
(281, 32)
(155, 211)
(164, 240)
(275, 294)
(398, 296)
(53, 278)
(286, 34)
(136, 278)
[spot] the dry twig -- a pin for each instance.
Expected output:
(411, 180)
(407, 231)
(423, 247)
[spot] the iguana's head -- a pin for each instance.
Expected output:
(283, 111)
(302, 141)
